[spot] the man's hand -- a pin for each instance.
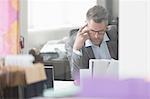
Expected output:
(81, 37)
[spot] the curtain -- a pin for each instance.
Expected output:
(9, 30)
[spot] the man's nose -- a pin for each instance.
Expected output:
(97, 35)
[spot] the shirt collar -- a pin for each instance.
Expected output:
(89, 43)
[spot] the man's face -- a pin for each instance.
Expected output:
(96, 32)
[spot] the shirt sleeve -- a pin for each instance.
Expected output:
(76, 62)
(77, 52)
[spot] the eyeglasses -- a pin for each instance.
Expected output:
(101, 32)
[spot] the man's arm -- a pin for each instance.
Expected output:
(76, 62)
(76, 58)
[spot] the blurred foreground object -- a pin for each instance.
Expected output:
(19, 60)
(111, 88)
(16, 75)
(22, 82)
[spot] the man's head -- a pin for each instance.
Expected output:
(97, 20)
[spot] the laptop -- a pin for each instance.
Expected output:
(104, 68)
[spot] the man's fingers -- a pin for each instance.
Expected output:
(80, 30)
(84, 33)
(85, 36)
(84, 30)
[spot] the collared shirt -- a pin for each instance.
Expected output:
(102, 51)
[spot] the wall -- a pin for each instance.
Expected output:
(23, 23)
(133, 38)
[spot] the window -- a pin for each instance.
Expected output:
(50, 14)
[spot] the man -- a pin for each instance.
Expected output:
(91, 41)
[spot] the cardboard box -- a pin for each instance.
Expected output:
(35, 73)
(11, 76)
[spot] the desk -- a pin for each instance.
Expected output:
(63, 90)
(106, 88)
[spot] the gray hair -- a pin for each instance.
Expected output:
(98, 14)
